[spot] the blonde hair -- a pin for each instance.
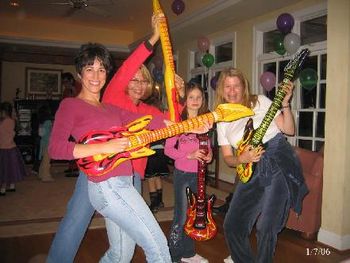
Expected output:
(147, 76)
(249, 100)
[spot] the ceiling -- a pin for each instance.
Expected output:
(130, 15)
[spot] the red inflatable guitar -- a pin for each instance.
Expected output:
(139, 137)
(200, 224)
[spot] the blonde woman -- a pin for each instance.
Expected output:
(277, 182)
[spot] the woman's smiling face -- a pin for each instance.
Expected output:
(233, 90)
(137, 87)
(93, 77)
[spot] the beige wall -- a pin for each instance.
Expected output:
(335, 229)
(13, 77)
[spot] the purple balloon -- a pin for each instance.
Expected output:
(268, 80)
(285, 23)
(178, 6)
(213, 82)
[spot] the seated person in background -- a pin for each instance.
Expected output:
(70, 86)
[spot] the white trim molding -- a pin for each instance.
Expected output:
(334, 240)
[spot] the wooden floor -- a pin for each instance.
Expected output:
(290, 248)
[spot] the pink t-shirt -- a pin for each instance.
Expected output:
(186, 144)
(76, 117)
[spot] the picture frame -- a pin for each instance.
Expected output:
(43, 82)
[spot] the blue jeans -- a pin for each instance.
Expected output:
(181, 245)
(118, 200)
(138, 182)
(74, 224)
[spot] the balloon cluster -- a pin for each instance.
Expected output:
(204, 57)
(178, 6)
(285, 41)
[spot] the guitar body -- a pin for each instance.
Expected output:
(200, 224)
(245, 170)
(103, 163)
(253, 138)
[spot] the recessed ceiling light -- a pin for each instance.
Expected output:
(14, 3)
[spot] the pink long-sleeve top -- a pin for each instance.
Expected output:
(186, 144)
(116, 93)
(76, 117)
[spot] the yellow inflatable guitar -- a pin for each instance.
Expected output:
(139, 137)
(254, 137)
(169, 75)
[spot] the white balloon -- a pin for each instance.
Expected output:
(291, 43)
(198, 58)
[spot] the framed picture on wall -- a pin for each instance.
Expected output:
(43, 82)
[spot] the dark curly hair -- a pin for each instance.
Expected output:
(91, 51)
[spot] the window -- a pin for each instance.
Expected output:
(223, 52)
(308, 104)
(313, 30)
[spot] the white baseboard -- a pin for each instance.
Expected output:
(334, 240)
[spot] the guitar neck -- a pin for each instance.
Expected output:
(164, 38)
(202, 167)
(169, 76)
(290, 69)
(271, 112)
(175, 129)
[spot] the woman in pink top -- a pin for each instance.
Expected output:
(79, 211)
(12, 167)
(111, 194)
(184, 149)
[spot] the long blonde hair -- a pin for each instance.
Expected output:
(147, 76)
(249, 100)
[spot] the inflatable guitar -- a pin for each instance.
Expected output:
(139, 137)
(200, 224)
(254, 137)
(169, 75)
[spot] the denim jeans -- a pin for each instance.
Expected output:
(181, 245)
(264, 200)
(138, 182)
(72, 228)
(118, 200)
(74, 224)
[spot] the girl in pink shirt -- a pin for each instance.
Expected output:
(184, 149)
